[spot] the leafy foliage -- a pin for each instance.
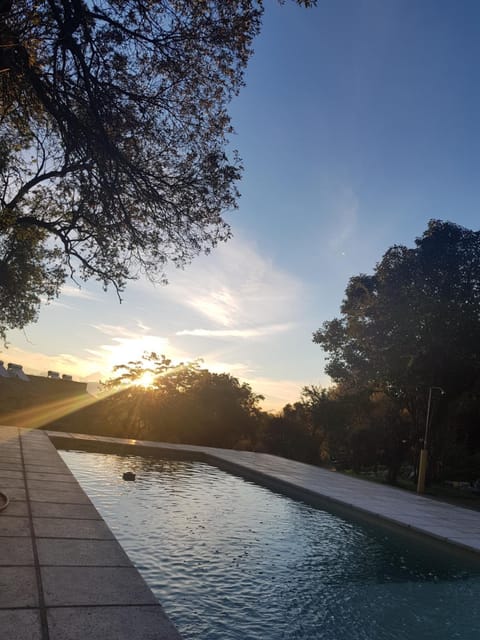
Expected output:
(413, 324)
(182, 403)
(29, 272)
(113, 135)
(414, 321)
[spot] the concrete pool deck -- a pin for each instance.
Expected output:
(63, 575)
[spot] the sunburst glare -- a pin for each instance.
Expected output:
(146, 380)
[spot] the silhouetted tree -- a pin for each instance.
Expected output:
(290, 435)
(412, 324)
(113, 135)
(184, 403)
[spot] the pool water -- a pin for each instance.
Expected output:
(231, 560)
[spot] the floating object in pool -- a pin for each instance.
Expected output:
(129, 476)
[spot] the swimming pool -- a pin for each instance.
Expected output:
(231, 560)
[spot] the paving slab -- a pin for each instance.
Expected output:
(11, 466)
(6, 458)
(11, 481)
(83, 553)
(51, 477)
(73, 496)
(16, 550)
(52, 485)
(98, 623)
(12, 443)
(17, 493)
(33, 444)
(14, 526)
(41, 468)
(47, 466)
(15, 508)
(18, 587)
(20, 624)
(67, 586)
(71, 528)
(64, 511)
(41, 458)
(7, 450)
(11, 473)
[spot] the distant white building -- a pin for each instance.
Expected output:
(16, 371)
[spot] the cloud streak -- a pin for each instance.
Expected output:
(346, 211)
(257, 332)
(77, 292)
(237, 289)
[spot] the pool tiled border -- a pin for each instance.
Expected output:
(63, 575)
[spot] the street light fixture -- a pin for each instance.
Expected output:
(422, 467)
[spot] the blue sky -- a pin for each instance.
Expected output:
(358, 123)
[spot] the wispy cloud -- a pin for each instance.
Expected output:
(237, 369)
(116, 331)
(238, 289)
(142, 326)
(344, 219)
(55, 303)
(257, 332)
(77, 292)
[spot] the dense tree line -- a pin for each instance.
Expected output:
(153, 399)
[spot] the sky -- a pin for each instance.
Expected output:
(358, 123)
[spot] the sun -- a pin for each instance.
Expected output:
(146, 380)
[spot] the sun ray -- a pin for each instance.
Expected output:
(40, 415)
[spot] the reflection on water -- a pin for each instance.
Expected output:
(230, 560)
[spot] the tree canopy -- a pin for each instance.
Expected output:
(113, 137)
(413, 324)
(415, 321)
(183, 402)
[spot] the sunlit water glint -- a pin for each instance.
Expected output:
(230, 560)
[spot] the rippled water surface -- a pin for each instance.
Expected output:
(231, 560)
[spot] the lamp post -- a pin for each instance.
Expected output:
(422, 467)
